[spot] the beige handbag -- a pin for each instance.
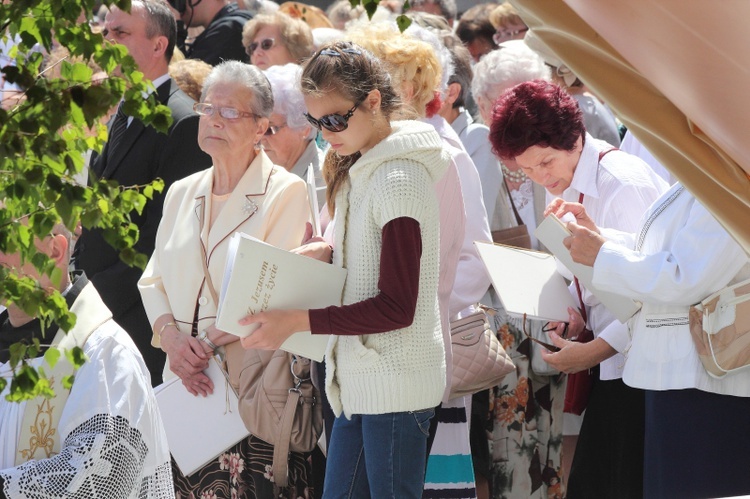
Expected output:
(720, 327)
(479, 360)
(280, 405)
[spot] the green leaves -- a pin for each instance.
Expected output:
(44, 139)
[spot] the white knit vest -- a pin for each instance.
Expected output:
(401, 370)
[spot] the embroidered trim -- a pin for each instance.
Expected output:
(654, 323)
(658, 211)
(43, 434)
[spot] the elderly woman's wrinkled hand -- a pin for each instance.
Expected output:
(275, 327)
(584, 244)
(574, 357)
(560, 207)
(188, 360)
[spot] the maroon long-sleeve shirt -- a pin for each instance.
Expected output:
(394, 306)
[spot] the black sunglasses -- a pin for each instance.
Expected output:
(548, 346)
(333, 122)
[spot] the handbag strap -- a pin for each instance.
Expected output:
(207, 274)
(513, 205)
(281, 448)
(578, 285)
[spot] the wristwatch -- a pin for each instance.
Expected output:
(203, 336)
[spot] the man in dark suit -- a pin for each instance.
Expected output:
(135, 155)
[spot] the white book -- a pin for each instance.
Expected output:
(198, 428)
(260, 277)
(312, 197)
(551, 233)
(527, 282)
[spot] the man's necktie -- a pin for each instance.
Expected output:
(119, 125)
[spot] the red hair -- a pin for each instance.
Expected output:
(434, 105)
(535, 113)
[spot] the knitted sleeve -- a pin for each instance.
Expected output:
(403, 188)
(394, 306)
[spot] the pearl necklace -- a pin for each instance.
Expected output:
(517, 176)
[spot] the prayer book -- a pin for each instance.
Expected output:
(199, 429)
(260, 277)
(527, 282)
(312, 198)
(551, 233)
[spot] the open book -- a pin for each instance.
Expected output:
(527, 282)
(260, 277)
(551, 233)
(200, 428)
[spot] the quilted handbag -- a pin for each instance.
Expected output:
(720, 327)
(479, 360)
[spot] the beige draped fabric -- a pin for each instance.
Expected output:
(677, 73)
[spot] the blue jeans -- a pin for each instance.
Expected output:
(378, 456)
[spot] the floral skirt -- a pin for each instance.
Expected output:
(244, 471)
(526, 413)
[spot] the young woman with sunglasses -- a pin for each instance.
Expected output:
(385, 362)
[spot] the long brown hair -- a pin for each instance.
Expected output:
(352, 72)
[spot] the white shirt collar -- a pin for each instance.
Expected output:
(584, 178)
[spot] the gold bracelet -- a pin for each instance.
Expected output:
(165, 326)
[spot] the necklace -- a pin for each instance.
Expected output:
(517, 176)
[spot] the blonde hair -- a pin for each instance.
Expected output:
(414, 67)
(505, 15)
(295, 34)
(189, 75)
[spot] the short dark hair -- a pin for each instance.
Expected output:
(535, 113)
(160, 22)
(475, 23)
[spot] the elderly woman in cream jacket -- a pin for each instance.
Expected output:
(243, 191)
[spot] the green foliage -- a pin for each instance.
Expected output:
(43, 142)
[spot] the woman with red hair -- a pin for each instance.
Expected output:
(539, 125)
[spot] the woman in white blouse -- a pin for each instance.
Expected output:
(540, 126)
(697, 439)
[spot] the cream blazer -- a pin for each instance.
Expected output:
(269, 203)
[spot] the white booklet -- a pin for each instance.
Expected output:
(260, 277)
(312, 198)
(527, 282)
(551, 233)
(200, 428)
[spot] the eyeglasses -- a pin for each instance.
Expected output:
(265, 44)
(548, 346)
(506, 34)
(274, 129)
(333, 122)
(228, 113)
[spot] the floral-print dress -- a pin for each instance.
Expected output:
(525, 423)
(244, 471)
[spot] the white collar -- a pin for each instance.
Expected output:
(586, 174)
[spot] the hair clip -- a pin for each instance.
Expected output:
(338, 54)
